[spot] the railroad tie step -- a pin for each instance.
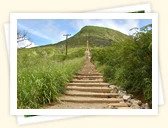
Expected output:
(88, 77)
(91, 94)
(89, 84)
(118, 105)
(125, 107)
(87, 81)
(89, 89)
(75, 99)
(89, 74)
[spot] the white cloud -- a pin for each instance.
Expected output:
(49, 31)
(54, 31)
(26, 44)
(122, 26)
(34, 32)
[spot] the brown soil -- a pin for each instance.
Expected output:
(89, 76)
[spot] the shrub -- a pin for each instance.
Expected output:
(42, 76)
(129, 64)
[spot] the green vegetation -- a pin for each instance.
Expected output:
(124, 60)
(43, 73)
(129, 64)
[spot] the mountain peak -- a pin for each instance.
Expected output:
(97, 36)
(93, 28)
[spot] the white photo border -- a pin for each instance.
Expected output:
(13, 64)
(131, 8)
(146, 7)
(36, 119)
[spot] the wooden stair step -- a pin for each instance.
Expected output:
(91, 94)
(120, 105)
(89, 99)
(125, 107)
(89, 84)
(89, 89)
(87, 81)
(88, 77)
(89, 74)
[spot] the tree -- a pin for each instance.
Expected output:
(23, 36)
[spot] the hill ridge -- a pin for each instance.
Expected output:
(96, 35)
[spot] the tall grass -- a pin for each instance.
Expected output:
(128, 64)
(43, 73)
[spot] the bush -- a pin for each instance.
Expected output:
(42, 76)
(129, 64)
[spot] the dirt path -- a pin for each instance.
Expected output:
(87, 90)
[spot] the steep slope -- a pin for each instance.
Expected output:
(97, 36)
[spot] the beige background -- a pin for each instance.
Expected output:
(7, 6)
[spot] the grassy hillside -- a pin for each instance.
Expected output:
(43, 73)
(124, 60)
(97, 36)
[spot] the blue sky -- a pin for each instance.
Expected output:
(48, 31)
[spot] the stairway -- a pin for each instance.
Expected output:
(88, 89)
